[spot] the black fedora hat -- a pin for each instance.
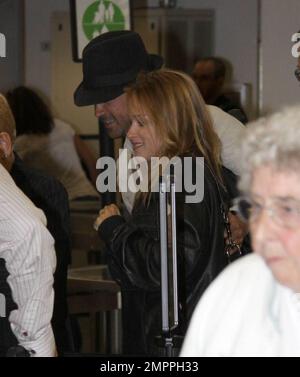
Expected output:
(110, 62)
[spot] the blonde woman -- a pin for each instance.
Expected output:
(169, 119)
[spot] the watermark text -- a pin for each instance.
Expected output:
(2, 46)
(296, 46)
(136, 174)
(2, 306)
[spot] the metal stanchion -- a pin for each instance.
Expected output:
(106, 145)
(169, 278)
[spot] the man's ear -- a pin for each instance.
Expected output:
(6, 144)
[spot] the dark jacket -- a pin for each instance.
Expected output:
(232, 108)
(134, 261)
(48, 194)
(7, 337)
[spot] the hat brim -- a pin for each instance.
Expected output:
(155, 62)
(88, 96)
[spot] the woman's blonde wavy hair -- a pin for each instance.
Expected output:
(173, 103)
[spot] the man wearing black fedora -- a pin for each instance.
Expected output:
(111, 62)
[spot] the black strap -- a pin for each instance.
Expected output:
(7, 337)
(232, 249)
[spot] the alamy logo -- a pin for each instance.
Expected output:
(2, 306)
(296, 46)
(2, 46)
(136, 174)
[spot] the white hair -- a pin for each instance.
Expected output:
(272, 141)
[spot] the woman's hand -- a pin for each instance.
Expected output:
(105, 213)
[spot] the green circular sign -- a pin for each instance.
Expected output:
(102, 16)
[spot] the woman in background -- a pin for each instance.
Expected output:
(51, 145)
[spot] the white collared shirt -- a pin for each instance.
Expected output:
(28, 249)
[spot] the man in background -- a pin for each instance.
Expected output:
(209, 75)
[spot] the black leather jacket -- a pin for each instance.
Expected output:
(134, 261)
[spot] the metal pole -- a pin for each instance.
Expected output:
(106, 146)
(164, 254)
(174, 251)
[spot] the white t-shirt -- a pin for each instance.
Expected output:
(245, 312)
(28, 250)
(56, 155)
(231, 132)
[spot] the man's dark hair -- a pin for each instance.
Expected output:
(220, 67)
(31, 113)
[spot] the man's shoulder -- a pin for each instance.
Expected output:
(14, 200)
(225, 103)
(231, 107)
(223, 120)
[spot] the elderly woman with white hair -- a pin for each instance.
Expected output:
(253, 308)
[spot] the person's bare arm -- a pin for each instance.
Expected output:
(87, 157)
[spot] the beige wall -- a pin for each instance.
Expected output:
(239, 48)
(11, 25)
(37, 36)
(236, 40)
(279, 87)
